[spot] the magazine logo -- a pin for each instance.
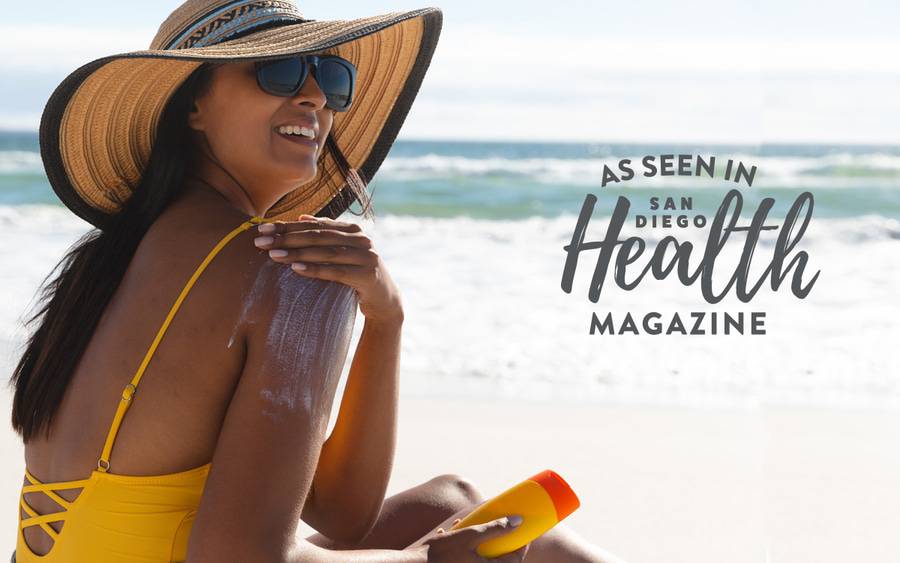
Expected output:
(787, 265)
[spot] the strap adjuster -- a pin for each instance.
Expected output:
(129, 391)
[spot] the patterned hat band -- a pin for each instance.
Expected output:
(231, 19)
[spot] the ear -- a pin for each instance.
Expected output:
(196, 115)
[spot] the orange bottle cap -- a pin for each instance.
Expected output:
(560, 492)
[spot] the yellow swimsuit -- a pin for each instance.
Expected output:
(122, 518)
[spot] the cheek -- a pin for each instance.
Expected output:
(326, 121)
(242, 128)
(326, 124)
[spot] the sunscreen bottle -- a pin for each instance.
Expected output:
(542, 500)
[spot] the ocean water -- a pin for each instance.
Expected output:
(473, 234)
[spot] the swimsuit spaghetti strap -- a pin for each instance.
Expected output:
(131, 388)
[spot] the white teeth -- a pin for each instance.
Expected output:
(297, 130)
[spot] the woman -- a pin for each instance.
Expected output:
(223, 448)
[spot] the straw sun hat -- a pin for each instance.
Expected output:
(98, 127)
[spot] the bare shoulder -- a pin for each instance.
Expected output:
(285, 311)
(291, 321)
(298, 330)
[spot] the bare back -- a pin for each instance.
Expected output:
(184, 394)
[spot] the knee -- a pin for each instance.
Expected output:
(458, 487)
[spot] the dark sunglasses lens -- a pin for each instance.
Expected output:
(281, 77)
(336, 83)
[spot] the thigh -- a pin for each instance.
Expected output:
(410, 514)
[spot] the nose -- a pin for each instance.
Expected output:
(310, 94)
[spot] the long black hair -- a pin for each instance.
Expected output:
(92, 269)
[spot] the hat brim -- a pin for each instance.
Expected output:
(99, 125)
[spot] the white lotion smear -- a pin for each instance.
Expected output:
(307, 342)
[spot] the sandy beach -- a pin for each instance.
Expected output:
(658, 484)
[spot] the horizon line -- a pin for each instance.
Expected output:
(501, 140)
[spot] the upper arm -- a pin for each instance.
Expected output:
(297, 334)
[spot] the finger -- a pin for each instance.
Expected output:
(326, 220)
(478, 533)
(335, 272)
(281, 227)
(325, 254)
(320, 255)
(313, 237)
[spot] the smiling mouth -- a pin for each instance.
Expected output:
(299, 139)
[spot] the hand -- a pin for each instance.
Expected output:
(339, 251)
(458, 546)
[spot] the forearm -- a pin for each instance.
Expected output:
(307, 552)
(355, 463)
(310, 553)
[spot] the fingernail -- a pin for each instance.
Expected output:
(298, 266)
(278, 253)
(515, 520)
(266, 228)
(262, 241)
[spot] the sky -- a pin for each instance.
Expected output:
(566, 70)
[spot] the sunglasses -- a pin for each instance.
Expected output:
(335, 76)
